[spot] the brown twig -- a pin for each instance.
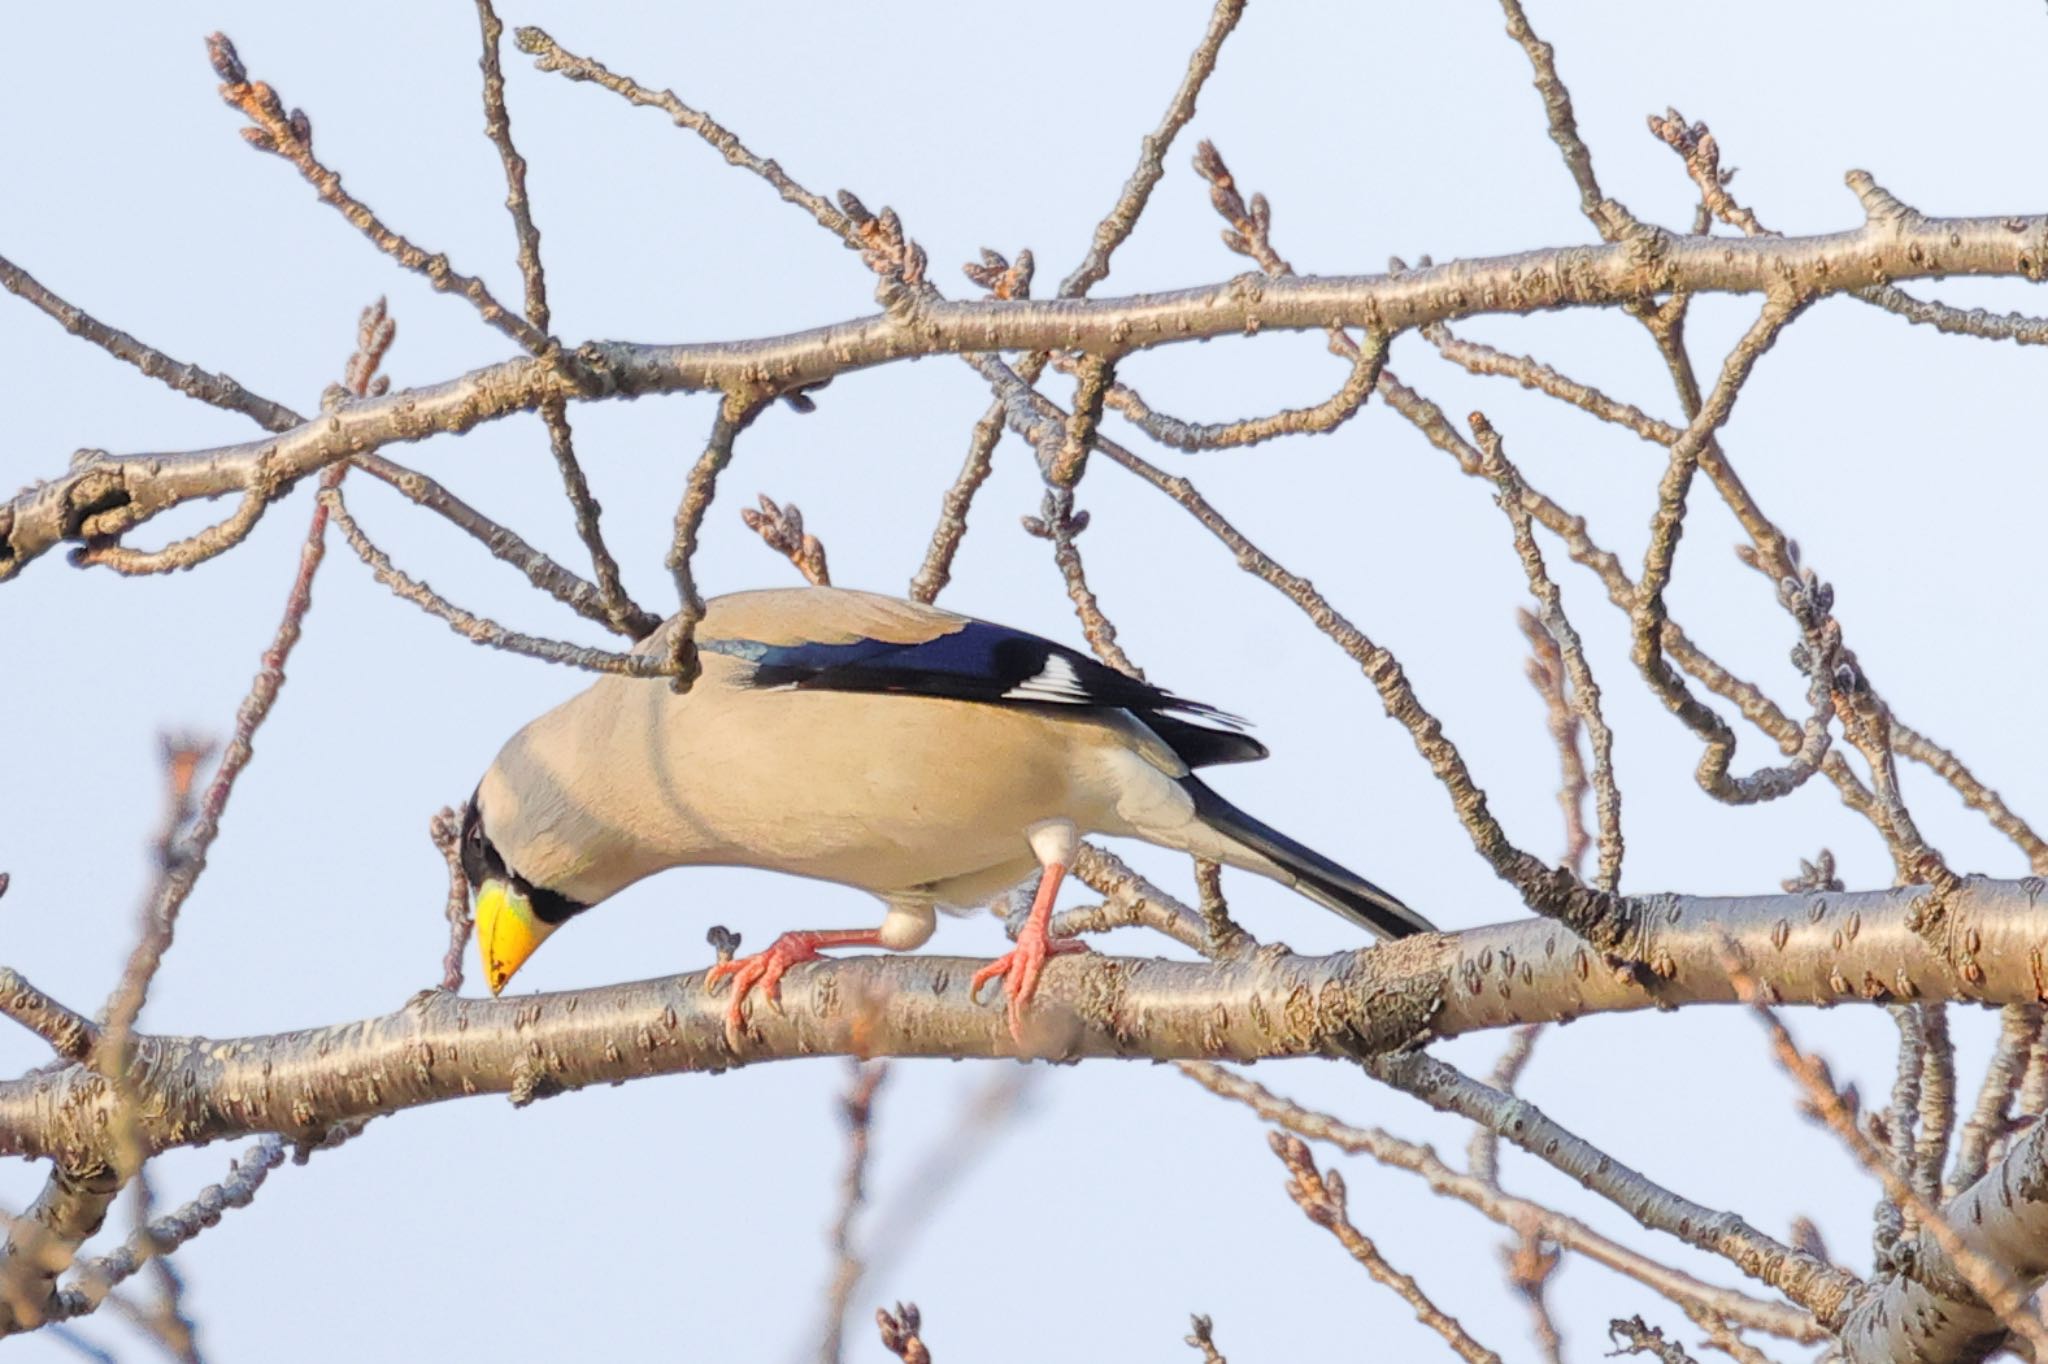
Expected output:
(1584, 694)
(1528, 1260)
(621, 613)
(290, 135)
(498, 128)
(1065, 460)
(1697, 147)
(1545, 671)
(107, 496)
(937, 569)
(1648, 616)
(1322, 1199)
(472, 627)
(1132, 901)
(1613, 220)
(445, 829)
(1320, 419)
(70, 1034)
(506, 545)
(98, 1277)
(1530, 1264)
(1986, 1278)
(165, 1318)
(1991, 1117)
(980, 1119)
(735, 414)
(1013, 282)
(1122, 218)
(216, 389)
(1822, 1289)
(858, 1109)
(1059, 523)
(1482, 1153)
(1637, 1337)
(1548, 890)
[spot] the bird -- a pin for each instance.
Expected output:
(934, 760)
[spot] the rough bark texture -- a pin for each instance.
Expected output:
(1802, 949)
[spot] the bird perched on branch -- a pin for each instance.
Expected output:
(930, 759)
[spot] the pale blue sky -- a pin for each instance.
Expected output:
(685, 1217)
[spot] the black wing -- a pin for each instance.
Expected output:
(995, 665)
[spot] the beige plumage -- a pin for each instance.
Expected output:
(929, 759)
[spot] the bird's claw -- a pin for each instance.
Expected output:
(1019, 969)
(763, 971)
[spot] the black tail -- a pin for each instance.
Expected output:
(1313, 874)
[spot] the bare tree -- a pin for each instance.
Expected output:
(1961, 1240)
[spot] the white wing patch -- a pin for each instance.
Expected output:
(1056, 681)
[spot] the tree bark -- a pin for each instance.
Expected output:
(1819, 949)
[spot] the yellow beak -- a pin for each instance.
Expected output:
(507, 930)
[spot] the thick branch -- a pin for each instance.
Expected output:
(1934, 1315)
(1803, 949)
(104, 497)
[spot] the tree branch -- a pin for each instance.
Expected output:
(104, 496)
(1804, 949)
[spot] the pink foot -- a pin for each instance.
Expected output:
(764, 970)
(1020, 967)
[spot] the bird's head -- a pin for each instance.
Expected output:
(513, 915)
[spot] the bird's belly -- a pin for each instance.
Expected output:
(877, 793)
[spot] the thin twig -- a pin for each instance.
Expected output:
(290, 135)
(1546, 673)
(1822, 1289)
(1014, 282)
(1122, 219)
(857, 1108)
(97, 1277)
(1584, 695)
(1322, 1199)
(980, 1119)
(621, 613)
(1610, 217)
(498, 127)
(584, 598)
(1482, 1153)
(165, 1318)
(1991, 1117)
(1985, 1276)
(1637, 1337)
(188, 379)
(1059, 523)
(1649, 616)
(480, 629)
(445, 829)
(1549, 890)
(1320, 419)
(1518, 1214)
(735, 414)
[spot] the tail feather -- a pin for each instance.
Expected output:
(1308, 871)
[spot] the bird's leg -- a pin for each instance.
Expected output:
(765, 969)
(1055, 842)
